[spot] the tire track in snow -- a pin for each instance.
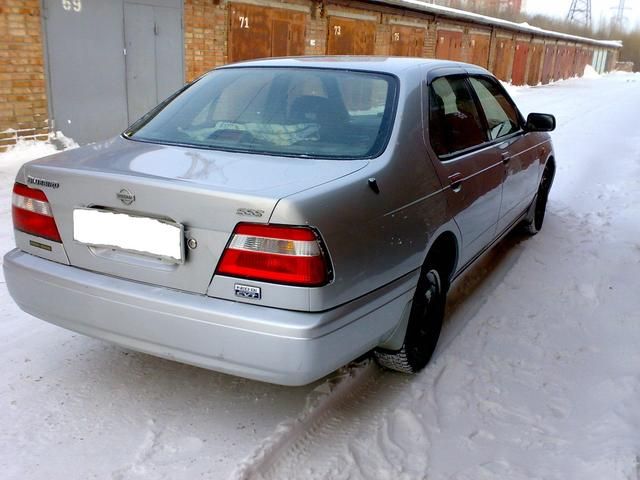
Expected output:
(324, 442)
(316, 445)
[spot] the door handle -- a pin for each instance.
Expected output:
(506, 156)
(455, 180)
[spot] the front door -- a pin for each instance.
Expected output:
(519, 156)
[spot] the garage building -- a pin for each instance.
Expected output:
(89, 68)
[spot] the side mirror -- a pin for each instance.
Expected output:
(540, 122)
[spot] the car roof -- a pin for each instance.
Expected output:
(392, 65)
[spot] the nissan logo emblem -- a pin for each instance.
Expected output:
(126, 196)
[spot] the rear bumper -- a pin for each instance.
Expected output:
(268, 344)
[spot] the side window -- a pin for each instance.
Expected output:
(454, 121)
(499, 112)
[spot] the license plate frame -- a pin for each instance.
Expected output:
(162, 239)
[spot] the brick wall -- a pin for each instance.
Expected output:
(23, 98)
(205, 36)
(316, 34)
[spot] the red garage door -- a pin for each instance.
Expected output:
(406, 41)
(351, 37)
(520, 58)
(535, 63)
(549, 59)
(449, 45)
(504, 48)
(257, 32)
(479, 45)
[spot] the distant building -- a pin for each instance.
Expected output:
(494, 7)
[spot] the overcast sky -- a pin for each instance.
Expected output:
(599, 8)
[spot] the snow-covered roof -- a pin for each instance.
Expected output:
(492, 21)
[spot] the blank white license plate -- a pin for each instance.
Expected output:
(148, 236)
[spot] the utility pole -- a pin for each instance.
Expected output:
(580, 13)
(619, 18)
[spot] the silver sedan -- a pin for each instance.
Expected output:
(276, 219)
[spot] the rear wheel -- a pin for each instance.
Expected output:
(425, 323)
(533, 224)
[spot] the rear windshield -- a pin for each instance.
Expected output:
(279, 111)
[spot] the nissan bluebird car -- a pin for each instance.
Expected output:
(276, 219)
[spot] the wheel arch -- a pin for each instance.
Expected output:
(444, 251)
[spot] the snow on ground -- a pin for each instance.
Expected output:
(537, 374)
(74, 408)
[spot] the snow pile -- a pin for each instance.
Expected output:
(26, 150)
(514, 90)
(590, 72)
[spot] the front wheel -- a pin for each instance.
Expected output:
(423, 329)
(533, 224)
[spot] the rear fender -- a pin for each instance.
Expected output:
(396, 338)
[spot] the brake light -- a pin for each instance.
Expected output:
(278, 254)
(32, 213)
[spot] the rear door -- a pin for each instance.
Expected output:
(516, 149)
(471, 171)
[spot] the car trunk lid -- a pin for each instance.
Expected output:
(205, 192)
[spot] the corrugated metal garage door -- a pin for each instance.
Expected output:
(406, 41)
(479, 45)
(504, 47)
(549, 60)
(585, 56)
(569, 65)
(351, 37)
(449, 45)
(257, 32)
(561, 56)
(535, 64)
(153, 36)
(94, 93)
(520, 63)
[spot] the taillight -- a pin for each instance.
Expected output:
(32, 213)
(277, 254)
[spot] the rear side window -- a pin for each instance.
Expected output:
(454, 121)
(502, 117)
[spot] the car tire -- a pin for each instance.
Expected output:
(535, 219)
(423, 328)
